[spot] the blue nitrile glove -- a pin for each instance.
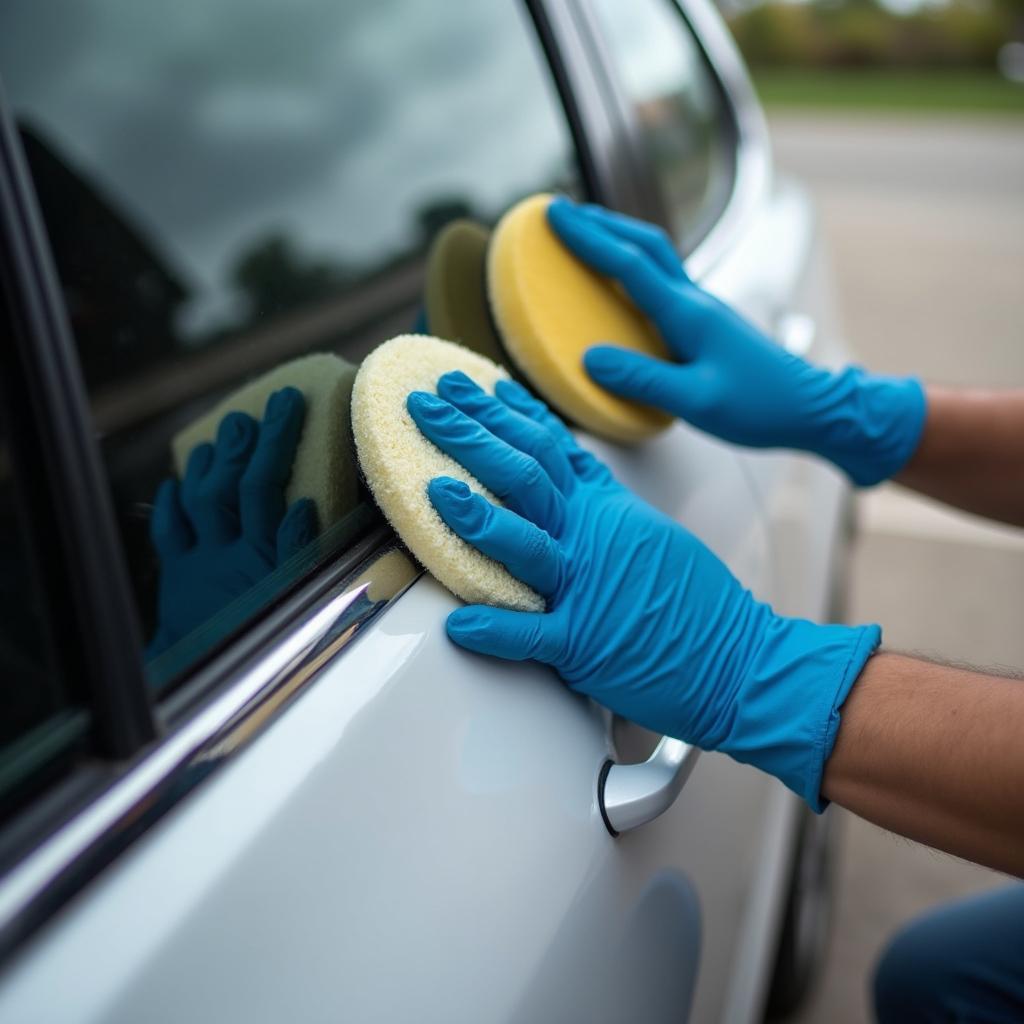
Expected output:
(731, 380)
(641, 616)
(225, 526)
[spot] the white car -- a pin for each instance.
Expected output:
(325, 811)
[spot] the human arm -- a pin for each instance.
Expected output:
(936, 754)
(963, 447)
(971, 453)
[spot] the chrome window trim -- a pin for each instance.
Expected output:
(77, 851)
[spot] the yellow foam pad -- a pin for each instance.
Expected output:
(550, 308)
(324, 468)
(455, 290)
(398, 462)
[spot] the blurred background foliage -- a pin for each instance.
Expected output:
(864, 34)
(953, 54)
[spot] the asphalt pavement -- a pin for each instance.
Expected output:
(924, 218)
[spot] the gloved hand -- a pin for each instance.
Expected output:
(640, 616)
(225, 527)
(731, 380)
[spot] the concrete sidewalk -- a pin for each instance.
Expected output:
(925, 224)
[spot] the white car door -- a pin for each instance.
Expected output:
(348, 817)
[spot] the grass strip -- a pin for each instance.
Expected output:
(897, 91)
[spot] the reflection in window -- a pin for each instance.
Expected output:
(678, 104)
(231, 184)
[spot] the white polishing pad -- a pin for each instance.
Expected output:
(398, 462)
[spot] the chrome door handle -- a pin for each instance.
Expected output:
(630, 795)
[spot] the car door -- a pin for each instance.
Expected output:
(344, 816)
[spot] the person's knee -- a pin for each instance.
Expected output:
(961, 961)
(908, 983)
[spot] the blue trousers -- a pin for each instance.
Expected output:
(961, 962)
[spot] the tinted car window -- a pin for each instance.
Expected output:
(681, 114)
(228, 185)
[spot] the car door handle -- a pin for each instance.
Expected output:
(631, 795)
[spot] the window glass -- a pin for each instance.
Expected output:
(38, 719)
(229, 185)
(682, 117)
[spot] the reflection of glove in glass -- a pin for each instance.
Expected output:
(641, 616)
(224, 527)
(731, 380)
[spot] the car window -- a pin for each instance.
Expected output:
(41, 720)
(227, 186)
(684, 122)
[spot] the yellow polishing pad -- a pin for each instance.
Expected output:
(455, 291)
(550, 309)
(398, 462)
(324, 468)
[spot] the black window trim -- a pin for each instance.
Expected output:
(71, 541)
(563, 54)
(643, 197)
(751, 172)
(107, 637)
(655, 206)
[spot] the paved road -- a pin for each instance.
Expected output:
(925, 222)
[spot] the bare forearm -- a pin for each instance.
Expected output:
(971, 453)
(936, 754)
